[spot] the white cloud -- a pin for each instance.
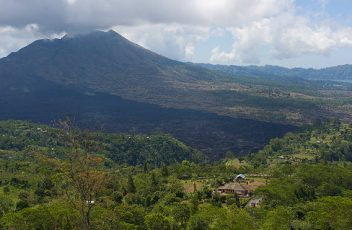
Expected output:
(189, 51)
(282, 37)
(190, 12)
(172, 40)
(261, 29)
(73, 14)
(71, 2)
(218, 56)
(12, 38)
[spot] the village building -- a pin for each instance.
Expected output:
(254, 203)
(240, 177)
(234, 188)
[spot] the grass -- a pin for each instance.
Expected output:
(188, 186)
(303, 156)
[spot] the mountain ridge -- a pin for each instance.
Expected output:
(103, 80)
(339, 72)
(106, 62)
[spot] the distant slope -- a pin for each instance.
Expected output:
(89, 77)
(106, 62)
(100, 62)
(211, 133)
(342, 72)
(330, 141)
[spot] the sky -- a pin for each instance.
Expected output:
(291, 33)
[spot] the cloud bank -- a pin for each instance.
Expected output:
(257, 29)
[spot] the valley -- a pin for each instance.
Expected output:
(105, 82)
(208, 132)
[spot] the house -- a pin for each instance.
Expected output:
(240, 177)
(234, 188)
(254, 203)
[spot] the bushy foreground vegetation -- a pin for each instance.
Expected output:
(66, 179)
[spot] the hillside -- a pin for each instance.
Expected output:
(295, 95)
(70, 179)
(106, 63)
(99, 62)
(211, 133)
(337, 73)
(155, 149)
(329, 141)
(103, 81)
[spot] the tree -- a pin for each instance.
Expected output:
(238, 202)
(82, 180)
(157, 221)
(154, 182)
(23, 201)
(164, 171)
(199, 223)
(305, 193)
(6, 189)
(181, 214)
(194, 203)
(278, 219)
(217, 218)
(54, 215)
(6, 205)
(45, 188)
(131, 187)
(117, 197)
(86, 182)
(330, 213)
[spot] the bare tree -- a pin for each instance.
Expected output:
(82, 178)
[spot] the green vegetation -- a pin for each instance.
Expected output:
(331, 141)
(59, 178)
(153, 149)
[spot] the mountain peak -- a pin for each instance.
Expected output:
(95, 34)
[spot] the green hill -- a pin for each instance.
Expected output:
(154, 149)
(330, 141)
(54, 178)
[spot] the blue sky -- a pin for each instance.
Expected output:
(293, 33)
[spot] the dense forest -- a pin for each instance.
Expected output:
(58, 177)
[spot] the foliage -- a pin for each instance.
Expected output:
(155, 149)
(52, 186)
(330, 141)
